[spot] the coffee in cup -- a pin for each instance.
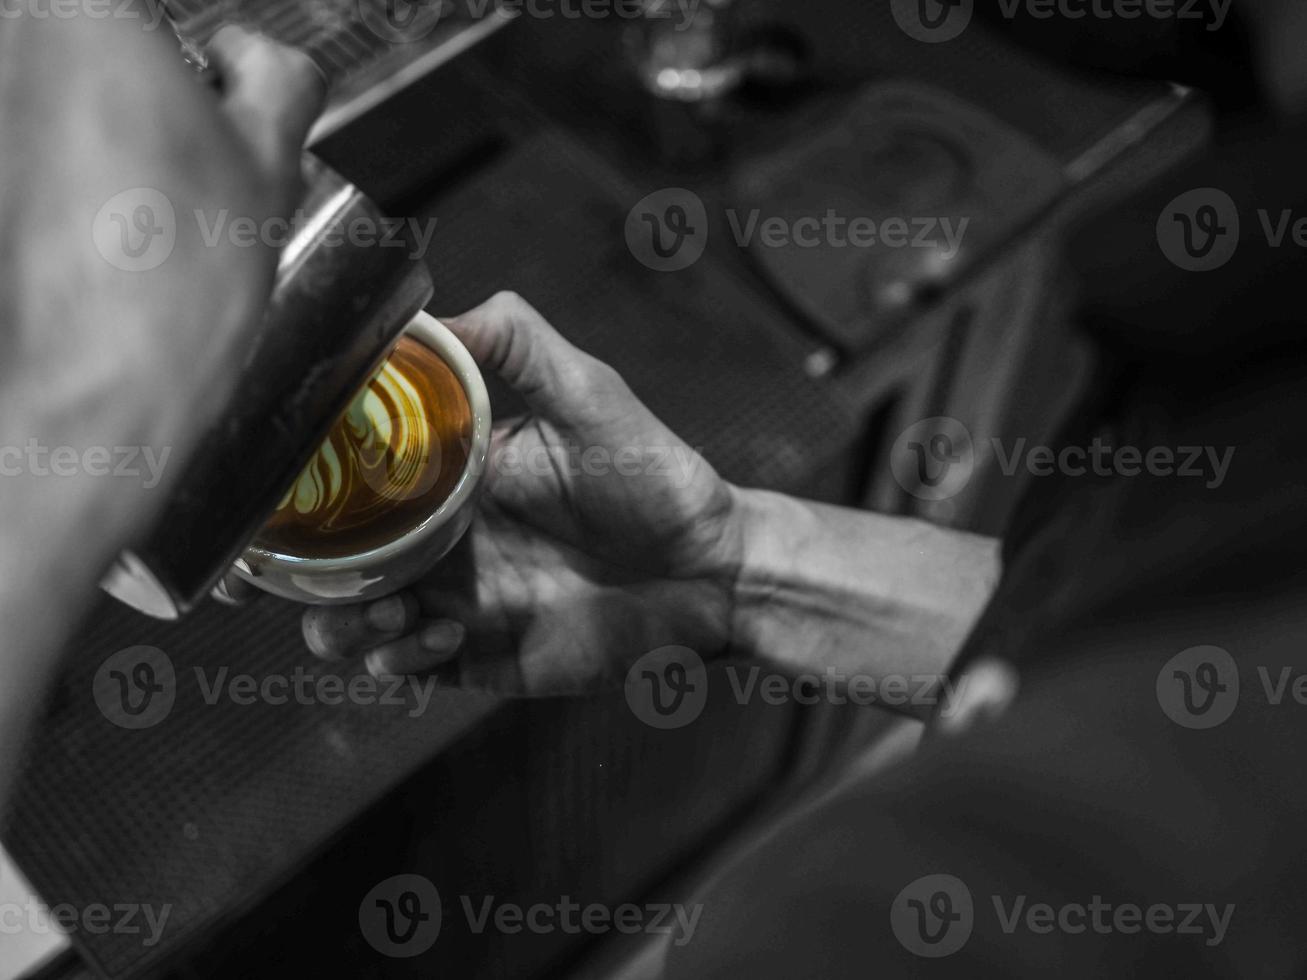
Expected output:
(389, 461)
(393, 485)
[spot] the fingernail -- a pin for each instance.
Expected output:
(222, 593)
(443, 638)
(377, 663)
(387, 614)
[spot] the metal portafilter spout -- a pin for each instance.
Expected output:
(337, 308)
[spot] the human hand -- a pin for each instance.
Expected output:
(100, 118)
(100, 354)
(601, 536)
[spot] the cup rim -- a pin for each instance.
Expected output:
(450, 349)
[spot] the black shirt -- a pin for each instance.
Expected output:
(1137, 810)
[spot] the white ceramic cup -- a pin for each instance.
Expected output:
(398, 563)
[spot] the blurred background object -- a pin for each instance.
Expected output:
(683, 57)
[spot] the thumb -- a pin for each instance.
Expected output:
(559, 381)
(984, 692)
(271, 93)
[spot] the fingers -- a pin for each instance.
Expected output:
(338, 632)
(506, 335)
(387, 632)
(232, 590)
(271, 93)
(431, 645)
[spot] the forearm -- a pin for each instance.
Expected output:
(66, 505)
(824, 588)
(58, 528)
(99, 358)
(51, 555)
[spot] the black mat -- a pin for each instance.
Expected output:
(958, 183)
(707, 350)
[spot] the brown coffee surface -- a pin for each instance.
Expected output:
(388, 463)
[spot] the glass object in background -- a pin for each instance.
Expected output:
(682, 56)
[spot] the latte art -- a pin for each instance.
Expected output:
(389, 461)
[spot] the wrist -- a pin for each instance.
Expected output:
(760, 531)
(815, 586)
